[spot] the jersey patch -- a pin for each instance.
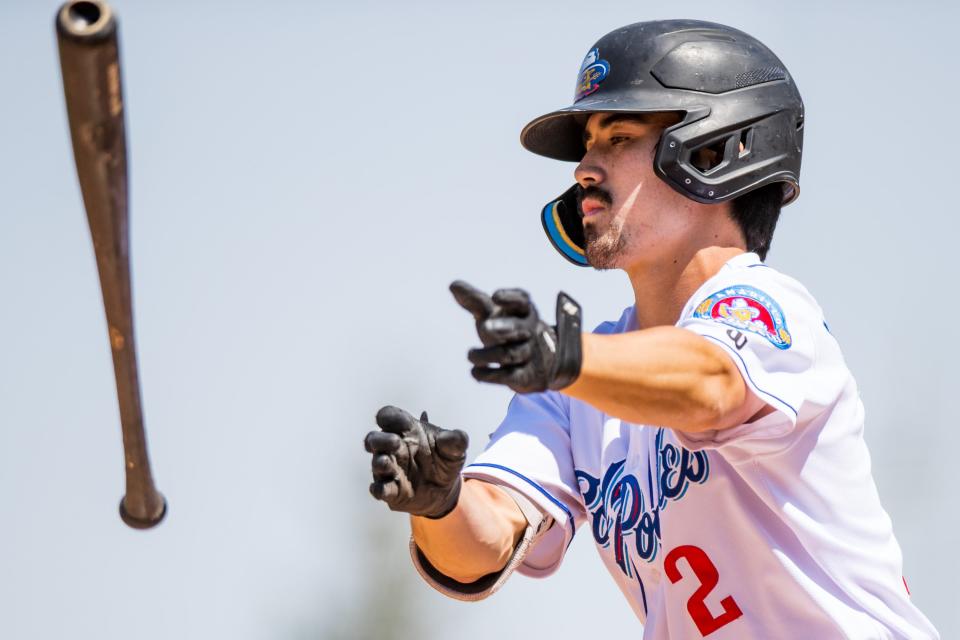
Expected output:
(747, 309)
(592, 72)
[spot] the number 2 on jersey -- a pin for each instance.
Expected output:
(706, 572)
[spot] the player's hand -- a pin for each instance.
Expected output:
(416, 465)
(519, 349)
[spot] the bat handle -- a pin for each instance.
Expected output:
(142, 507)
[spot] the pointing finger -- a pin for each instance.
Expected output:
(472, 299)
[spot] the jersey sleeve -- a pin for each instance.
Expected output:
(530, 453)
(774, 332)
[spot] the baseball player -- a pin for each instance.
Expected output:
(710, 440)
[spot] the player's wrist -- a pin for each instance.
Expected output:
(477, 538)
(443, 508)
(569, 354)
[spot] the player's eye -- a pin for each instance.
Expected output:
(615, 140)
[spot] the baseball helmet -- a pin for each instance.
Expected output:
(741, 115)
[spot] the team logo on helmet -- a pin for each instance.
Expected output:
(747, 309)
(592, 72)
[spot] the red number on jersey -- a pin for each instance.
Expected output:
(707, 573)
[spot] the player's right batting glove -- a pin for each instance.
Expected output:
(520, 350)
(416, 465)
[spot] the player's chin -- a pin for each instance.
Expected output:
(603, 250)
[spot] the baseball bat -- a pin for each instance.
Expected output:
(90, 65)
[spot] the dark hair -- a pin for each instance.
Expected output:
(756, 213)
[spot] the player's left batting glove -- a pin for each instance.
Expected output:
(519, 349)
(416, 465)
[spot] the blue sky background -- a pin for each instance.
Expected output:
(306, 179)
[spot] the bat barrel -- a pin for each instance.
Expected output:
(90, 64)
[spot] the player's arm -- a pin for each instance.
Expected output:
(664, 375)
(477, 538)
(466, 530)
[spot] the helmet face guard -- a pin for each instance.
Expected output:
(741, 124)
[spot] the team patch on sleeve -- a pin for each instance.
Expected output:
(747, 309)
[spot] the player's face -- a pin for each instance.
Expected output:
(631, 218)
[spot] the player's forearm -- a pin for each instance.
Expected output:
(476, 538)
(664, 376)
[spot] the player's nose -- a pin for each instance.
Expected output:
(589, 171)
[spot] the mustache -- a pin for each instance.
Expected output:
(593, 192)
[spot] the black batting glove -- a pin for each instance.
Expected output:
(519, 349)
(416, 465)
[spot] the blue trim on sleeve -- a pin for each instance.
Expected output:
(747, 371)
(532, 484)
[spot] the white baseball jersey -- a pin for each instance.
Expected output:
(771, 529)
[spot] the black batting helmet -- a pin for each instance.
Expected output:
(734, 97)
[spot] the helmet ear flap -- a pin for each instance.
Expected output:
(714, 159)
(563, 224)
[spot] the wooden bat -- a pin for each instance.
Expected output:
(90, 64)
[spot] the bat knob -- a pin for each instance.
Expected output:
(85, 20)
(84, 14)
(135, 522)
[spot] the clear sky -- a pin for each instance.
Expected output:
(306, 179)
